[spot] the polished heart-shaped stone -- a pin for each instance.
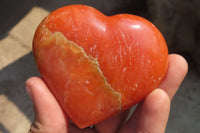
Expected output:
(95, 65)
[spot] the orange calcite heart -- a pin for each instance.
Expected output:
(95, 65)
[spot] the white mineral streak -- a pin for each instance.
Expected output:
(124, 69)
(136, 85)
(94, 47)
(87, 81)
(88, 91)
(91, 49)
(148, 61)
(120, 54)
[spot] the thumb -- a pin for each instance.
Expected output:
(49, 117)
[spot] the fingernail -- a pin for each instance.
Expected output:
(28, 89)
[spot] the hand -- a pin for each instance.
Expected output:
(150, 116)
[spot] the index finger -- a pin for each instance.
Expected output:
(176, 72)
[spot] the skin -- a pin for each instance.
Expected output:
(150, 116)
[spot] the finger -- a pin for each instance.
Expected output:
(151, 115)
(177, 70)
(49, 117)
(74, 129)
(112, 124)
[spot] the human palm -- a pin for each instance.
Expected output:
(151, 115)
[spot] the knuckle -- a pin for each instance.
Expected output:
(36, 127)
